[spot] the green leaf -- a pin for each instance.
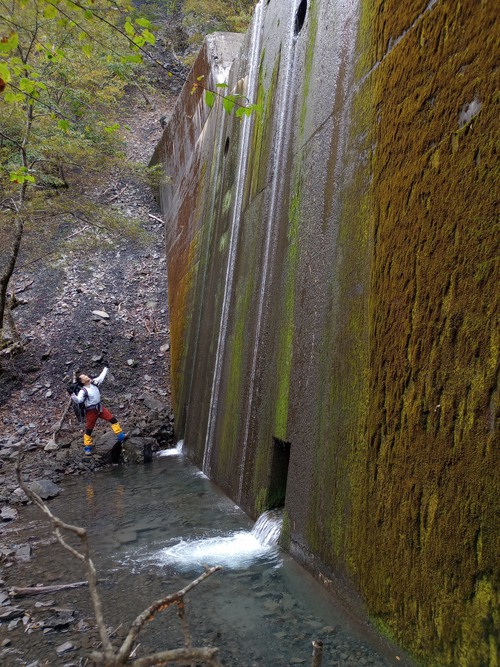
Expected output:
(20, 176)
(149, 37)
(9, 43)
(26, 85)
(12, 98)
(200, 78)
(132, 59)
(4, 72)
(144, 23)
(221, 85)
(87, 50)
(228, 103)
(209, 98)
(129, 28)
(248, 110)
(49, 11)
(63, 125)
(139, 40)
(88, 14)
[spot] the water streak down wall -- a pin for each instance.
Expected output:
(333, 284)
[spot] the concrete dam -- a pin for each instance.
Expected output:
(333, 271)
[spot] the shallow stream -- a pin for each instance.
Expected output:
(152, 528)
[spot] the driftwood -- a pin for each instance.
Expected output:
(59, 424)
(36, 590)
(155, 217)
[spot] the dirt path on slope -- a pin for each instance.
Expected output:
(61, 332)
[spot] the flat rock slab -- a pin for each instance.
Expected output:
(126, 536)
(44, 488)
(9, 613)
(65, 648)
(9, 514)
(23, 553)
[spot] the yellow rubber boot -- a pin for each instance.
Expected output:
(117, 430)
(87, 444)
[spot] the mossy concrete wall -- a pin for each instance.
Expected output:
(333, 284)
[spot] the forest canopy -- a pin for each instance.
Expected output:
(64, 66)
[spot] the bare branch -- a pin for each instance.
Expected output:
(181, 656)
(12, 141)
(59, 424)
(181, 611)
(149, 613)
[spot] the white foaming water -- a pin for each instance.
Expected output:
(267, 529)
(173, 451)
(235, 551)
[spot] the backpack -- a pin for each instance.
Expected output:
(78, 408)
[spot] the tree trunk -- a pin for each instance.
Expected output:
(9, 269)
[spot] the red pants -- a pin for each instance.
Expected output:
(93, 415)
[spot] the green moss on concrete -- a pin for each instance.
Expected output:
(261, 501)
(262, 135)
(286, 532)
(224, 242)
(179, 302)
(430, 472)
(286, 327)
(236, 354)
(338, 493)
(405, 482)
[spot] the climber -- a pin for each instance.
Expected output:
(86, 391)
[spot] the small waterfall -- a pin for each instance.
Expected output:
(252, 78)
(234, 552)
(173, 451)
(267, 529)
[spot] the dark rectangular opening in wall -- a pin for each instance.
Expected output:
(279, 473)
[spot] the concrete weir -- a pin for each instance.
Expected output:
(333, 268)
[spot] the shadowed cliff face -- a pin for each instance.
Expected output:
(333, 273)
